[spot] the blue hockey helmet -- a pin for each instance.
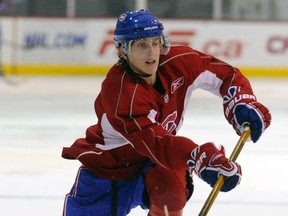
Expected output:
(137, 25)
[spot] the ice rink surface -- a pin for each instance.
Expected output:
(40, 115)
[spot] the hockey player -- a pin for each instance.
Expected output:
(132, 156)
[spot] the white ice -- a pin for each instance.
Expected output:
(40, 115)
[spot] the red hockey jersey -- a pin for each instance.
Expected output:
(137, 123)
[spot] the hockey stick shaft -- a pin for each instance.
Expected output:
(219, 183)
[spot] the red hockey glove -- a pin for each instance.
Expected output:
(241, 108)
(208, 162)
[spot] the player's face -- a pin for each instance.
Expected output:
(144, 55)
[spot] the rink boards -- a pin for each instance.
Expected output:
(65, 46)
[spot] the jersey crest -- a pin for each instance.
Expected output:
(169, 123)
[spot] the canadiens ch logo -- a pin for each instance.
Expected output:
(169, 123)
(122, 17)
(176, 84)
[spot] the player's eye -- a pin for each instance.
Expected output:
(156, 43)
(142, 45)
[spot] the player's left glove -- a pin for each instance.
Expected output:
(208, 162)
(241, 108)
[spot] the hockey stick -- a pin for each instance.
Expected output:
(166, 213)
(219, 183)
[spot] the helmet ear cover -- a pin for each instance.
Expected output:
(137, 25)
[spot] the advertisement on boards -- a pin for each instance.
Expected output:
(71, 46)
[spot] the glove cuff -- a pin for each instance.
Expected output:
(235, 96)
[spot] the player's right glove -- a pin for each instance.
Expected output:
(208, 162)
